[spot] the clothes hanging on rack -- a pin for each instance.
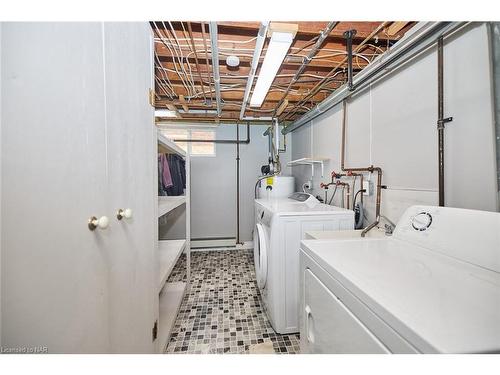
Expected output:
(178, 173)
(166, 176)
(171, 175)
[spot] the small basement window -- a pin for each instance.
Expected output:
(193, 148)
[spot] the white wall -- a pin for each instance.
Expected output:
(213, 187)
(393, 125)
(0, 185)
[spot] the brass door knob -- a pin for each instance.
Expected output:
(101, 223)
(124, 214)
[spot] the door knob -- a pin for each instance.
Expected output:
(101, 223)
(126, 213)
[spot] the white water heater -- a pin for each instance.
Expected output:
(276, 187)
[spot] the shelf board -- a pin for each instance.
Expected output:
(168, 253)
(167, 204)
(166, 146)
(170, 303)
(309, 161)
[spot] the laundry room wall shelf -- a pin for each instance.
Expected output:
(170, 294)
(167, 204)
(170, 303)
(309, 161)
(166, 146)
(169, 252)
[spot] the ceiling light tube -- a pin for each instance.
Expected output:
(276, 51)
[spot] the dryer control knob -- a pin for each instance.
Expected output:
(421, 221)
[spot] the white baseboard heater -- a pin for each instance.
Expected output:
(206, 243)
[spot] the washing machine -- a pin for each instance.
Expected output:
(280, 226)
(432, 287)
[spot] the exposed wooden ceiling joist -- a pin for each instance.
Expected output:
(183, 65)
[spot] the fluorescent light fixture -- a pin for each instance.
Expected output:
(166, 113)
(276, 52)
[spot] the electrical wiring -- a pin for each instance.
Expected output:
(164, 76)
(238, 51)
(169, 45)
(172, 54)
(221, 40)
(182, 50)
(190, 76)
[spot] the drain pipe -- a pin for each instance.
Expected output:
(349, 35)
(238, 242)
(215, 64)
(259, 44)
(370, 169)
(441, 121)
(223, 141)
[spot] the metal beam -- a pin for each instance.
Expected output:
(215, 64)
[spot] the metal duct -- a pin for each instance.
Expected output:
(422, 36)
(259, 44)
(215, 64)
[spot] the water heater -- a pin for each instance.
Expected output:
(276, 187)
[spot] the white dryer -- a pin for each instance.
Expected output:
(433, 287)
(280, 226)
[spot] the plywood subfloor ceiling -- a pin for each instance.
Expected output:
(184, 80)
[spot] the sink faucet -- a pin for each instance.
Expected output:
(389, 226)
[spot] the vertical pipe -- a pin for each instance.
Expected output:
(349, 35)
(276, 135)
(238, 184)
(215, 64)
(440, 120)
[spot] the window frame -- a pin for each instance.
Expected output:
(189, 132)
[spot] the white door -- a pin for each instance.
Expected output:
(131, 144)
(54, 269)
(329, 326)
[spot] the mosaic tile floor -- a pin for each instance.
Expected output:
(222, 310)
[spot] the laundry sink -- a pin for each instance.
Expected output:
(344, 234)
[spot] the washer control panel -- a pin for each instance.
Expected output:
(303, 197)
(421, 221)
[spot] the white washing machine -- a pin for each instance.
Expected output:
(280, 226)
(433, 287)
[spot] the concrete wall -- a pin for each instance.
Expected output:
(213, 187)
(393, 125)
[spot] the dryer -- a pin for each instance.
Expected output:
(280, 226)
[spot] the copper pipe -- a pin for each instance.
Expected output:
(318, 86)
(190, 30)
(370, 169)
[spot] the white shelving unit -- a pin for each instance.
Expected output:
(170, 301)
(169, 252)
(311, 162)
(170, 294)
(167, 204)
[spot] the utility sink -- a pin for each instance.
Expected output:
(344, 234)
